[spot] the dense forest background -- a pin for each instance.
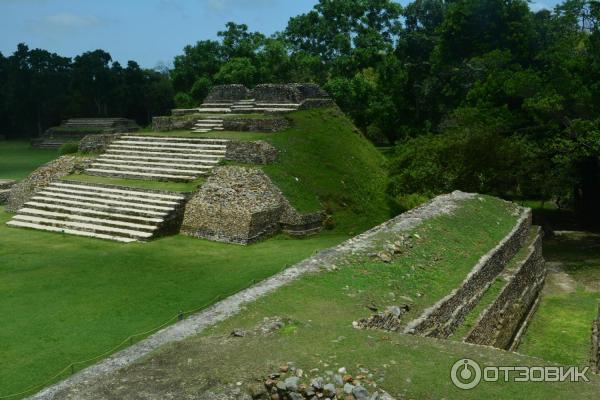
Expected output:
(478, 95)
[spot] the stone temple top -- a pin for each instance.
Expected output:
(292, 93)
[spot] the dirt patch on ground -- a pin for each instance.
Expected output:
(558, 281)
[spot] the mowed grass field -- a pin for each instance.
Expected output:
(65, 298)
(18, 159)
(561, 328)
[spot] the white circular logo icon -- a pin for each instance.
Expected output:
(465, 374)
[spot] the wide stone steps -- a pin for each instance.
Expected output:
(99, 211)
(160, 158)
(208, 125)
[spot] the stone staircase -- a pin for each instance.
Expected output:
(247, 107)
(100, 211)
(159, 158)
(207, 125)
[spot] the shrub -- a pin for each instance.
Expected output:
(184, 100)
(68, 148)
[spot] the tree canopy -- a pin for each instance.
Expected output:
(481, 95)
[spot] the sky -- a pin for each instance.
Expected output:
(151, 32)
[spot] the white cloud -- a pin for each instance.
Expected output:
(69, 21)
(224, 5)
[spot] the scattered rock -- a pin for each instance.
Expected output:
(360, 393)
(237, 333)
(348, 387)
(292, 383)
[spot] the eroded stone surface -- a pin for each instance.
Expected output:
(41, 177)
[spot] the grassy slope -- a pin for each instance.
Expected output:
(319, 310)
(18, 159)
(325, 161)
(560, 329)
(58, 292)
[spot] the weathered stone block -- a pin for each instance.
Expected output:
(97, 143)
(41, 177)
(276, 93)
(310, 91)
(227, 94)
(240, 205)
(500, 323)
(595, 348)
(258, 152)
(235, 205)
(255, 124)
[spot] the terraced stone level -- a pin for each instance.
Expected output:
(99, 211)
(247, 106)
(159, 158)
(207, 125)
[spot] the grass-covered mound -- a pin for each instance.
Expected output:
(326, 163)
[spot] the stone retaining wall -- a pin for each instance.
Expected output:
(242, 205)
(441, 319)
(97, 143)
(227, 94)
(176, 122)
(595, 348)
(41, 177)
(257, 152)
(255, 124)
(316, 103)
(509, 314)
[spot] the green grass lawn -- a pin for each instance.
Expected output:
(65, 298)
(561, 328)
(18, 159)
(318, 336)
(138, 183)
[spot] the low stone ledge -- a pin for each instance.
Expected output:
(257, 152)
(175, 122)
(500, 323)
(42, 177)
(97, 143)
(309, 104)
(227, 93)
(442, 318)
(255, 124)
(595, 347)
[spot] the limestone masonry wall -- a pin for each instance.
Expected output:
(257, 152)
(275, 93)
(241, 205)
(595, 348)
(227, 94)
(500, 323)
(97, 143)
(442, 318)
(255, 124)
(174, 123)
(241, 124)
(41, 177)
(5, 186)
